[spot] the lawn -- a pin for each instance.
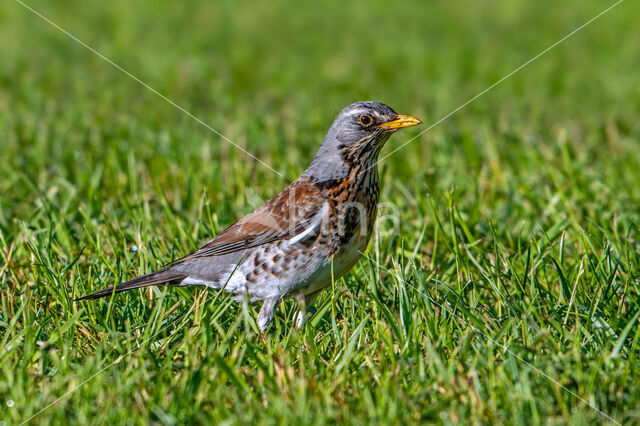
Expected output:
(502, 282)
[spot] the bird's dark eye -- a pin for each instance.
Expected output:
(365, 120)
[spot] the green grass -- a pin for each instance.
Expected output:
(514, 269)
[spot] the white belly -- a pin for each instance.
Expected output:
(341, 264)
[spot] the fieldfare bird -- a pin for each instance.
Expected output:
(315, 229)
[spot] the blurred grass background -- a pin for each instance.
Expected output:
(519, 214)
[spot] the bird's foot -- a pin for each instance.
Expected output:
(300, 318)
(266, 313)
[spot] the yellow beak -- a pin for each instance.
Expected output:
(400, 122)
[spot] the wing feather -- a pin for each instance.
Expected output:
(297, 210)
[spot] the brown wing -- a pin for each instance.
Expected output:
(288, 214)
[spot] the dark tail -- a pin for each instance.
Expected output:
(164, 276)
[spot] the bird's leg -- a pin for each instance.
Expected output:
(266, 313)
(304, 302)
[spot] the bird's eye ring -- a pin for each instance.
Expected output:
(366, 120)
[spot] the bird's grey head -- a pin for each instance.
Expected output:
(355, 139)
